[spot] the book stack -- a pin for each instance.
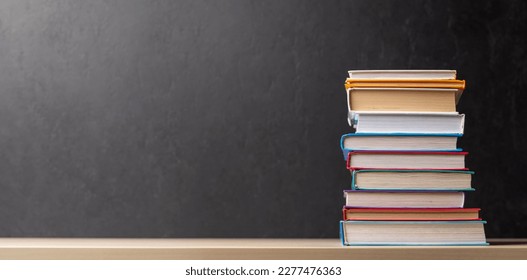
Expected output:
(408, 177)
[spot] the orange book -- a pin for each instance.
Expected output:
(405, 83)
(434, 95)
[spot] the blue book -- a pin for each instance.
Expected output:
(413, 233)
(399, 142)
(411, 180)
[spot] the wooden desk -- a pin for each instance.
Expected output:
(123, 248)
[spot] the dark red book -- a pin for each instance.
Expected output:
(409, 214)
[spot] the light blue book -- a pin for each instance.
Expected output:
(399, 142)
(413, 233)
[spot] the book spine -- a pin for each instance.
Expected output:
(342, 233)
(348, 161)
(344, 150)
(348, 99)
(462, 124)
(353, 180)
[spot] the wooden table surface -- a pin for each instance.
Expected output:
(203, 249)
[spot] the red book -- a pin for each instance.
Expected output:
(406, 160)
(409, 214)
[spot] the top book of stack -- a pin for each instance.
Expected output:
(403, 74)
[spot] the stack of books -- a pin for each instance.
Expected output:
(408, 177)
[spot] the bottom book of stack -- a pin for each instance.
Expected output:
(462, 233)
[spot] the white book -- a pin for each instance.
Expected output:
(407, 122)
(403, 74)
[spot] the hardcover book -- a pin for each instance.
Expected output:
(424, 180)
(407, 122)
(413, 74)
(406, 160)
(395, 233)
(410, 214)
(404, 199)
(405, 83)
(403, 99)
(398, 142)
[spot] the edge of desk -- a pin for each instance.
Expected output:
(243, 249)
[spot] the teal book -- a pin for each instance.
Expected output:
(445, 142)
(411, 180)
(413, 233)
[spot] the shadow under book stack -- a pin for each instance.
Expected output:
(408, 177)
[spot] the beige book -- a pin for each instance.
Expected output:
(403, 99)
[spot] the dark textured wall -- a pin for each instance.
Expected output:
(222, 118)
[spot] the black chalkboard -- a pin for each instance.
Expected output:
(222, 118)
